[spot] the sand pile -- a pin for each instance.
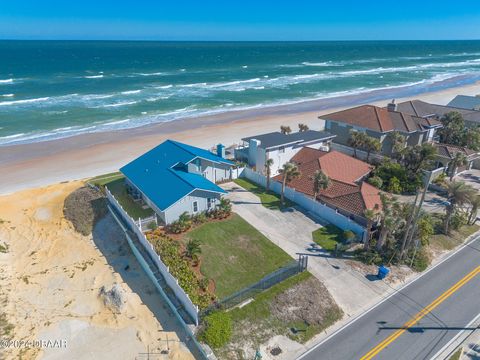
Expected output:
(52, 276)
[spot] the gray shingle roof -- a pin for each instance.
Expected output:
(465, 102)
(275, 139)
(424, 109)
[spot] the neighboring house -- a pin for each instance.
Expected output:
(465, 102)
(174, 178)
(378, 122)
(446, 153)
(280, 147)
(347, 192)
(434, 111)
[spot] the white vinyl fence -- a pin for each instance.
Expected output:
(361, 154)
(236, 173)
(171, 281)
(319, 209)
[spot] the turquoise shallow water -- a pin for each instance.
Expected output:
(59, 89)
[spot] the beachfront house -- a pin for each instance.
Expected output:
(446, 154)
(256, 150)
(347, 192)
(378, 123)
(174, 178)
(434, 111)
(465, 102)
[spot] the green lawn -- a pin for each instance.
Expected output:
(106, 178)
(269, 199)
(328, 236)
(456, 355)
(134, 209)
(457, 237)
(235, 254)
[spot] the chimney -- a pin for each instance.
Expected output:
(221, 150)
(392, 106)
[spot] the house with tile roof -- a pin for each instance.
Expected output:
(279, 147)
(347, 192)
(436, 112)
(379, 122)
(174, 178)
(446, 153)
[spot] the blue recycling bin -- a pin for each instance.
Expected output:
(382, 272)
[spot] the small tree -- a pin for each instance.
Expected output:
(398, 143)
(193, 249)
(320, 182)
(370, 215)
(289, 172)
(268, 170)
(285, 130)
(371, 145)
(303, 127)
(475, 203)
(376, 181)
(458, 193)
(356, 140)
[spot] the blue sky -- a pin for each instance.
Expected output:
(239, 20)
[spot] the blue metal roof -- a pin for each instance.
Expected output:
(159, 175)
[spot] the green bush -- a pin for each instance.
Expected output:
(348, 236)
(376, 181)
(421, 261)
(217, 329)
(394, 186)
(458, 220)
(369, 257)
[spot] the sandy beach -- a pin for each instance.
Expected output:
(50, 280)
(38, 164)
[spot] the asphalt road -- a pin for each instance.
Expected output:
(417, 321)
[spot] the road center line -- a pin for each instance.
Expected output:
(425, 311)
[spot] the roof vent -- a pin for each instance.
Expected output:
(392, 106)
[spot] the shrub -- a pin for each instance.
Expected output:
(348, 236)
(204, 283)
(394, 186)
(440, 179)
(217, 329)
(421, 261)
(200, 218)
(376, 181)
(183, 224)
(152, 225)
(458, 220)
(370, 257)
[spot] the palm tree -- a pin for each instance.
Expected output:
(356, 140)
(475, 202)
(268, 170)
(303, 127)
(398, 143)
(458, 193)
(389, 219)
(289, 172)
(372, 144)
(320, 182)
(370, 215)
(285, 130)
(193, 249)
(460, 159)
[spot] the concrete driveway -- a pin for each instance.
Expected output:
(291, 230)
(471, 177)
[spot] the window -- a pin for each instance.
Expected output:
(195, 206)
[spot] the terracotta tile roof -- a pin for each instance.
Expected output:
(343, 171)
(381, 120)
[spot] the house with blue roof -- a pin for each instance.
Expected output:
(174, 178)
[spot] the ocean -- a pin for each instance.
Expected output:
(55, 89)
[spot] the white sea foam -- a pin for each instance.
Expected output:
(164, 86)
(151, 74)
(8, 95)
(131, 92)
(6, 81)
(125, 103)
(25, 101)
(94, 76)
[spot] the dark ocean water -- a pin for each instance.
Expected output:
(58, 89)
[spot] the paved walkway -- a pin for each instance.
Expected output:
(291, 230)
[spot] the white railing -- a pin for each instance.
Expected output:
(171, 281)
(321, 210)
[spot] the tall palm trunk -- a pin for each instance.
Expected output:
(268, 180)
(382, 237)
(448, 218)
(354, 151)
